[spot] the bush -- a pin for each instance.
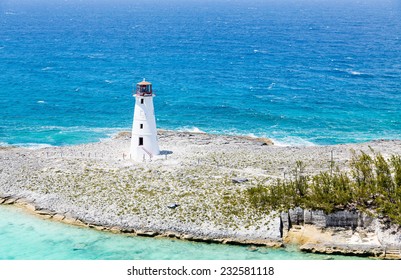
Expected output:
(373, 185)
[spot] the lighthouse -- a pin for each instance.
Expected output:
(144, 143)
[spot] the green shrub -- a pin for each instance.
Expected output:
(373, 185)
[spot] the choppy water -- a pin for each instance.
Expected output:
(300, 72)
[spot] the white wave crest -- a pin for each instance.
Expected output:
(192, 129)
(251, 135)
(291, 141)
(33, 146)
(260, 51)
(355, 73)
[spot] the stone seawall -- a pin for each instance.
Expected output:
(342, 232)
(347, 219)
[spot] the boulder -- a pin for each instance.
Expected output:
(58, 217)
(115, 229)
(171, 234)
(146, 233)
(127, 230)
(10, 201)
(69, 219)
(79, 223)
(173, 205)
(239, 180)
(45, 212)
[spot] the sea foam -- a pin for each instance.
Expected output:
(292, 141)
(193, 129)
(33, 146)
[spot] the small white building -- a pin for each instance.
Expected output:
(144, 143)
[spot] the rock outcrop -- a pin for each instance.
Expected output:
(342, 232)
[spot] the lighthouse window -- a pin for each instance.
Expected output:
(142, 101)
(141, 126)
(140, 141)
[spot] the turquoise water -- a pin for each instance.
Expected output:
(299, 72)
(25, 237)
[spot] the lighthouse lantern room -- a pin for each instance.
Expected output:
(144, 143)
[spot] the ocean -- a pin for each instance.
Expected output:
(299, 72)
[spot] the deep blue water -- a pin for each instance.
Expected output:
(299, 72)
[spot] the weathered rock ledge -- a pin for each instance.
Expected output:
(68, 218)
(343, 232)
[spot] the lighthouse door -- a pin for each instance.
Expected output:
(140, 141)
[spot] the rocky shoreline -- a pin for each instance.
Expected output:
(204, 176)
(68, 218)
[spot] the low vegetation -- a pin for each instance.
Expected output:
(372, 184)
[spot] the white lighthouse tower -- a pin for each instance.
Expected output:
(144, 144)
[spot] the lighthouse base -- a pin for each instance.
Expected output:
(144, 147)
(142, 154)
